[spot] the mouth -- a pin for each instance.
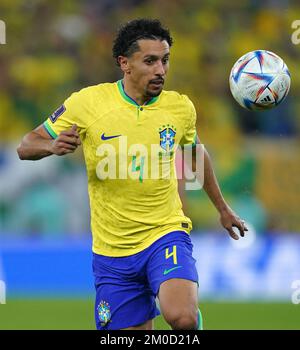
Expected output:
(157, 83)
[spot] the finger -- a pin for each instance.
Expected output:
(69, 151)
(64, 145)
(241, 227)
(245, 227)
(64, 151)
(233, 234)
(69, 133)
(72, 140)
(74, 128)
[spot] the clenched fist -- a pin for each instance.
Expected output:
(66, 142)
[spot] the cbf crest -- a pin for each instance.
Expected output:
(167, 137)
(104, 313)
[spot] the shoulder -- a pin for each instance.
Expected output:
(174, 97)
(92, 92)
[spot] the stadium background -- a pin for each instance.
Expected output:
(54, 48)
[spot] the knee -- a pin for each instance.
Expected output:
(182, 320)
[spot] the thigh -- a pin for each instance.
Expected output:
(171, 259)
(173, 276)
(178, 297)
(123, 298)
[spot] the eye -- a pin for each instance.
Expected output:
(165, 60)
(149, 61)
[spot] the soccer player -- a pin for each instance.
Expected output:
(141, 237)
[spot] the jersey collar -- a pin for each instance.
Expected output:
(131, 100)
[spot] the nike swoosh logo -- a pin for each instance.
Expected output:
(172, 269)
(103, 137)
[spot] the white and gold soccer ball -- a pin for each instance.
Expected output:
(259, 80)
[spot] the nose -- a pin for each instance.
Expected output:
(160, 68)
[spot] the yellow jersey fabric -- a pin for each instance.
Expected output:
(129, 152)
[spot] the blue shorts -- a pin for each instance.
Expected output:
(126, 287)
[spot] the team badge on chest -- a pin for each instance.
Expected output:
(167, 137)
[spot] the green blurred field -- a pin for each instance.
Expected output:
(78, 314)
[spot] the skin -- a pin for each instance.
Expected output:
(148, 65)
(144, 75)
(145, 70)
(228, 218)
(38, 144)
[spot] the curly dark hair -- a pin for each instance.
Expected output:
(126, 44)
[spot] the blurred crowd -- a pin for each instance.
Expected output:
(56, 47)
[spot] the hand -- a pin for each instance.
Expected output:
(66, 142)
(229, 220)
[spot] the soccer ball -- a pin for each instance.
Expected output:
(259, 80)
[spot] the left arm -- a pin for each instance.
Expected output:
(228, 218)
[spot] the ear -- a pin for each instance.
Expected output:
(124, 64)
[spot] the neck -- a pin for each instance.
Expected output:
(133, 93)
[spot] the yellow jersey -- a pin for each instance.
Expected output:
(129, 152)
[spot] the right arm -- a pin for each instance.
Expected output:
(38, 144)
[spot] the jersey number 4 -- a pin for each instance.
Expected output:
(173, 254)
(139, 167)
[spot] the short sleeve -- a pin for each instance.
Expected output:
(69, 113)
(190, 134)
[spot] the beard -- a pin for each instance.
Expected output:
(154, 92)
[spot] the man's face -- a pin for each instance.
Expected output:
(147, 68)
